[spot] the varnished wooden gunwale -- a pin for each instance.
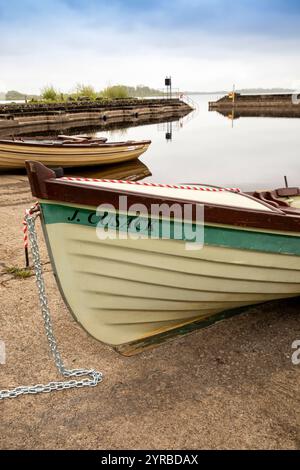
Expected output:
(45, 185)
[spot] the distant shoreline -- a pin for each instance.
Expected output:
(246, 91)
(242, 91)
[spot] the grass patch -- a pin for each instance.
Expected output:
(49, 93)
(18, 273)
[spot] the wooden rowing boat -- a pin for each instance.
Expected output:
(68, 153)
(134, 293)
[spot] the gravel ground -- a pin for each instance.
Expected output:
(230, 386)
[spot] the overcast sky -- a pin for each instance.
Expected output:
(203, 44)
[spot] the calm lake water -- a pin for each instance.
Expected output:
(255, 153)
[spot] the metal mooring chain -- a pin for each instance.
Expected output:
(95, 377)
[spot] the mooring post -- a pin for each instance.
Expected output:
(286, 182)
(26, 258)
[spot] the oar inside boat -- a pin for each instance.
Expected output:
(81, 138)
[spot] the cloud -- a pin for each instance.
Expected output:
(204, 44)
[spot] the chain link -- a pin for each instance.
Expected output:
(95, 377)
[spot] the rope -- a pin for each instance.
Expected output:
(152, 185)
(28, 212)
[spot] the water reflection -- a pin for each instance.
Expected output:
(112, 125)
(255, 154)
(131, 171)
(234, 113)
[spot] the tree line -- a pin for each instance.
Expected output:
(82, 91)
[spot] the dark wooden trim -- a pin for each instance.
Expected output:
(37, 175)
(45, 186)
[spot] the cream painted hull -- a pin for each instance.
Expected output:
(14, 156)
(123, 291)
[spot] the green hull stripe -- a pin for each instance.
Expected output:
(215, 236)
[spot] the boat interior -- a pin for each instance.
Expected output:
(285, 199)
(68, 141)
